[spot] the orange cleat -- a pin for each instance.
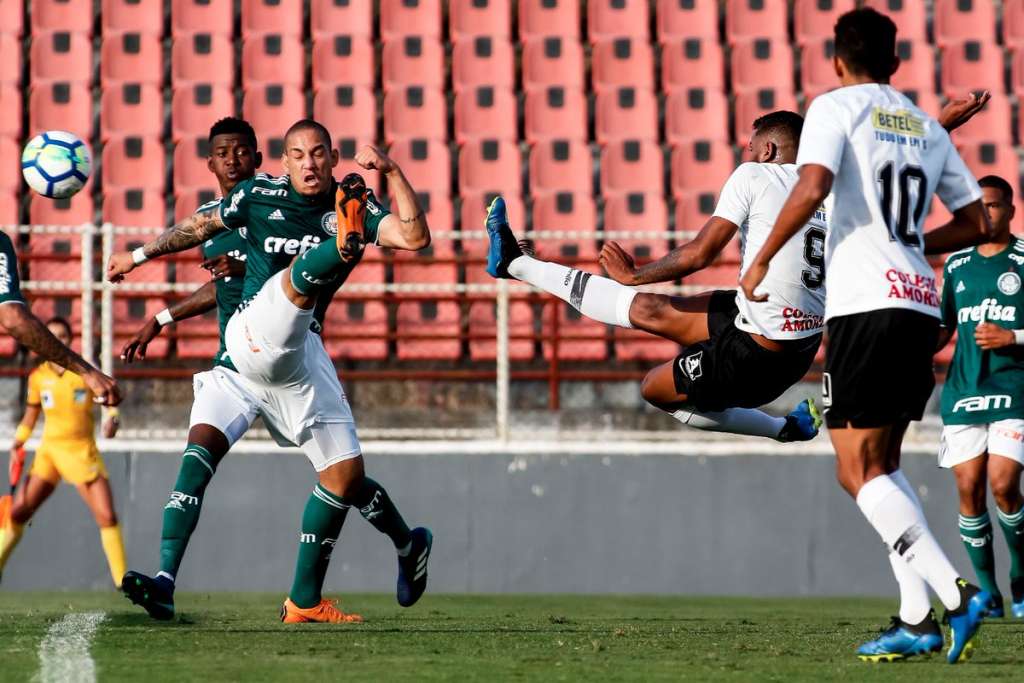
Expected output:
(326, 612)
(350, 209)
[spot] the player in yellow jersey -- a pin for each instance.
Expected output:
(67, 451)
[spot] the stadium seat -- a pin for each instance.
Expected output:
(415, 112)
(972, 65)
(58, 106)
(440, 212)
(10, 166)
(566, 211)
(990, 158)
(270, 16)
(412, 60)
(748, 19)
(1013, 23)
(352, 55)
(917, 67)
(817, 74)
(991, 124)
(201, 16)
(131, 108)
(483, 60)
(631, 166)
(559, 165)
(680, 20)
(483, 329)
(328, 18)
(356, 329)
(131, 313)
(555, 113)
(133, 161)
(271, 108)
(472, 18)
(65, 305)
(926, 101)
(956, 21)
(187, 200)
(74, 210)
(134, 207)
(202, 58)
(579, 338)
(428, 330)
(196, 337)
(626, 113)
(696, 114)
(636, 212)
(607, 19)
(10, 58)
(693, 209)
(60, 56)
(347, 108)
(400, 18)
(539, 18)
(347, 148)
(752, 105)
(131, 16)
(61, 15)
(552, 61)
(10, 113)
(11, 17)
(190, 170)
(762, 63)
(273, 58)
(692, 63)
(701, 166)
(195, 106)
(485, 112)
(620, 62)
(911, 18)
(490, 166)
(131, 57)
(815, 20)
(426, 163)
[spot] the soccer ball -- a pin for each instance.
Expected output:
(56, 164)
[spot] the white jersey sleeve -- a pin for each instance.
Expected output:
(735, 197)
(957, 187)
(823, 141)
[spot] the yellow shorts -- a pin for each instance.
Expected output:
(74, 461)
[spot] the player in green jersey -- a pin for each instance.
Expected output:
(983, 398)
(305, 233)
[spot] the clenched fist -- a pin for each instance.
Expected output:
(371, 158)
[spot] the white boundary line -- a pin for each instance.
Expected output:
(64, 655)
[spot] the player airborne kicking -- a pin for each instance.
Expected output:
(305, 232)
(883, 158)
(983, 398)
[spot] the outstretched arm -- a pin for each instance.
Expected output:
(198, 302)
(968, 227)
(962, 109)
(695, 255)
(407, 227)
(190, 232)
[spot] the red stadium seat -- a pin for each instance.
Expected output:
(958, 20)
(270, 16)
(990, 158)
(131, 108)
(10, 166)
(272, 108)
(471, 18)
(131, 313)
(559, 165)
(639, 345)
(357, 329)
(911, 18)
(133, 162)
(1013, 23)
(817, 74)
(701, 166)
(917, 67)
(483, 330)
(485, 112)
(74, 210)
(400, 18)
(412, 60)
(619, 62)
(762, 63)
(552, 61)
(490, 166)
(188, 199)
(10, 113)
(134, 207)
(415, 112)
(435, 323)
(131, 16)
(972, 66)
(636, 212)
(692, 63)
(815, 20)
(991, 124)
(190, 168)
(579, 338)
(202, 58)
(696, 114)
(626, 113)
(273, 58)
(328, 18)
(555, 113)
(632, 166)
(614, 18)
(693, 209)
(748, 19)
(426, 163)
(195, 106)
(927, 101)
(352, 55)
(10, 58)
(59, 106)
(483, 60)
(439, 210)
(568, 211)
(680, 20)
(11, 13)
(45, 306)
(197, 337)
(61, 15)
(201, 16)
(131, 57)
(751, 105)
(347, 108)
(539, 18)
(60, 56)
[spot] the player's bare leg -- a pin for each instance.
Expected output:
(1004, 476)
(28, 498)
(100, 501)
(682, 319)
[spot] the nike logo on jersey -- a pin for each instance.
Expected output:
(275, 215)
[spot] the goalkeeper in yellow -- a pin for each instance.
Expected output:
(66, 451)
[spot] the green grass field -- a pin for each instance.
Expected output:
(239, 637)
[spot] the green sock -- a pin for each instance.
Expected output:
(321, 524)
(319, 267)
(1013, 530)
(976, 533)
(181, 514)
(375, 505)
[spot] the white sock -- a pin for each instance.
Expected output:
(596, 297)
(914, 599)
(902, 526)
(748, 421)
(900, 480)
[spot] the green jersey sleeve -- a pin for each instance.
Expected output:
(10, 285)
(234, 208)
(375, 213)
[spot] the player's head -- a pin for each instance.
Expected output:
(865, 47)
(308, 157)
(776, 137)
(60, 328)
(997, 196)
(234, 152)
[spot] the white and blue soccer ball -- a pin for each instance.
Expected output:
(56, 164)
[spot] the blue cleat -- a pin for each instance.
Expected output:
(503, 249)
(995, 608)
(152, 594)
(1017, 610)
(802, 424)
(965, 620)
(412, 569)
(1017, 591)
(902, 640)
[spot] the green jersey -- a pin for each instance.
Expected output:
(10, 284)
(983, 386)
(280, 223)
(229, 290)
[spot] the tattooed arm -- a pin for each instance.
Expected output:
(189, 233)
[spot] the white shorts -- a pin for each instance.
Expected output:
(961, 443)
(222, 400)
(286, 367)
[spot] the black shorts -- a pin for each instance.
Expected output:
(731, 370)
(878, 367)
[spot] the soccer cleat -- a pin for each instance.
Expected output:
(151, 594)
(503, 248)
(350, 209)
(326, 612)
(902, 640)
(1017, 609)
(412, 569)
(802, 424)
(1017, 591)
(996, 609)
(965, 620)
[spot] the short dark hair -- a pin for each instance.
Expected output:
(866, 42)
(1000, 184)
(63, 322)
(310, 124)
(782, 122)
(229, 125)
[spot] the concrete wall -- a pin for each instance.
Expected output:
(659, 523)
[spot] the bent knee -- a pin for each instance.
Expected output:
(1006, 492)
(647, 308)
